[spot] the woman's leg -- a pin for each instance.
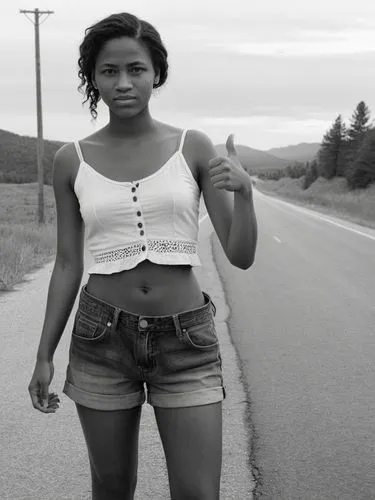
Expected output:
(192, 442)
(112, 442)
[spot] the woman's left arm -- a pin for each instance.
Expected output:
(232, 215)
(243, 233)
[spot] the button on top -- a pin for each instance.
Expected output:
(143, 323)
(137, 184)
(139, 213)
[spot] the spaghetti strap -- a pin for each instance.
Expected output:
(79, 151)
(182, 139)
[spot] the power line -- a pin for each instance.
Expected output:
(40, 147)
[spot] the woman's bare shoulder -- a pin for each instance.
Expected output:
(198, 138)
(199, 147)
(64, 156)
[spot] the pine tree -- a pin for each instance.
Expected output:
(356, 134)
(330, 155)
(358, 127)
(362, 174)
(311, 174)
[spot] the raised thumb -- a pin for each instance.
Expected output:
(230, 146)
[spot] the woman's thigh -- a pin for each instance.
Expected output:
(112, 443)
(192, 442)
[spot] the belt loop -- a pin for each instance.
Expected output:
(177, 324)
(213, 307)
(115, 318)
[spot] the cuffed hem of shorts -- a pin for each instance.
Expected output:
(103, 401)
(183, 399)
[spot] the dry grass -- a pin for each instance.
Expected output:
(24, 244)
(328, 196)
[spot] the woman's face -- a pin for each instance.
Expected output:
(124, 76)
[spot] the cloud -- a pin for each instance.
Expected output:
(265, 70)
(299, 127)
(234, 120)
(271, 123)
(309, 44)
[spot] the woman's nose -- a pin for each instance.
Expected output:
(124, 81)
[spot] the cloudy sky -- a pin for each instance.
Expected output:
(274, 73)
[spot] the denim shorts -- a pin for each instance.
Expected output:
(114, 353)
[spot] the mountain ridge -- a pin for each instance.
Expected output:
(274, 158)
(304, 151)
(18, 156)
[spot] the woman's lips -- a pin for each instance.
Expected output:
(125, 101)
(127, 98)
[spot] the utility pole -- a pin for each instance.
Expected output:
(40, 146)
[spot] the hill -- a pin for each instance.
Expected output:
(255, 160)
(18, 158)
(305, 151)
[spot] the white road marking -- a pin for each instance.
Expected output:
(277, 239)
(318, 216)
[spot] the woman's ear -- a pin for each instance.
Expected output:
(157, 78)
(93, 81)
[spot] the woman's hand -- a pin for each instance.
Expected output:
(228, 173)
(38, 387)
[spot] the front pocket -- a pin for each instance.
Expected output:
(87, 329)
(201, 336)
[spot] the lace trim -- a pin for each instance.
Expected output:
(160, 246)
(172, 246)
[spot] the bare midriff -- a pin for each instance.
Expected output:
(149, 289)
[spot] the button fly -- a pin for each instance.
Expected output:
(143, 323)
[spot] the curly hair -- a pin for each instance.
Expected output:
(115, 26)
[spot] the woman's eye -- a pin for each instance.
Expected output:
(111, 71)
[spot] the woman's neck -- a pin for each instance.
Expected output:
(139, 125)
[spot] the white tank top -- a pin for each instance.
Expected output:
(154, 218)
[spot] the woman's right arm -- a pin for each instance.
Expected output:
(66, 276)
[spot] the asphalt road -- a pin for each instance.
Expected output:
(303, 322)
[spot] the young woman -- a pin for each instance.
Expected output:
(134, 187)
